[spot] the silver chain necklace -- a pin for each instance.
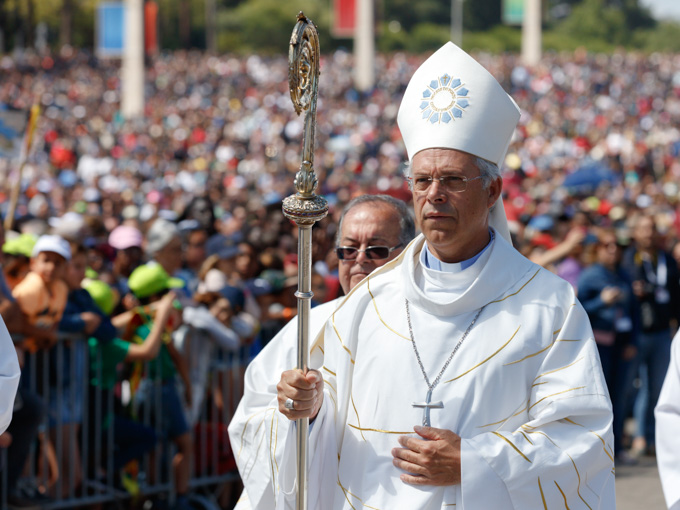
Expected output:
(427, 405)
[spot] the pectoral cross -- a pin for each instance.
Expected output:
(427, 405)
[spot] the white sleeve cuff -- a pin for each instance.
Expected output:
(481, 488)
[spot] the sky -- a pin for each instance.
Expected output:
(662, 9)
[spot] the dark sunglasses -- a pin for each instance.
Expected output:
(372, 252)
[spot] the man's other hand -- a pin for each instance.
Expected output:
(433, 460)
(305, 390)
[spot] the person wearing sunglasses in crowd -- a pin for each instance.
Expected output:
(459, 374)
(373, 229)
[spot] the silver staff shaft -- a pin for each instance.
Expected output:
(304, 208)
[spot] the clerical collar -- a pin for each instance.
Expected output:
(428, 260)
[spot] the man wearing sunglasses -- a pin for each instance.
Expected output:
(373, 229)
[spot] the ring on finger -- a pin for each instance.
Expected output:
(289, 404)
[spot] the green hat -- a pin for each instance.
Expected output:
(102, 294)
(151, 279)
(20, 245)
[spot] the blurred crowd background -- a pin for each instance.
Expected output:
(591, 189)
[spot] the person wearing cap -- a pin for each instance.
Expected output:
(42, 294)
(164, 246)
(127, 241)
(372, 230)
(16, 258)
(460, 373)
(151, 284)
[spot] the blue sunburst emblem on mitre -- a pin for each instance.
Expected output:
(444, 100)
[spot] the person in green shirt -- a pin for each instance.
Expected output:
(151, 284)
(131, 439)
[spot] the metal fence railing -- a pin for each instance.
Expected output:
(92, 448)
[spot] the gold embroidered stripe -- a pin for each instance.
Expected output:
(557, 369)
(318, 347)
(337, 333)
(355, 497)
(539, 352)
(604, 444)
(351, 397)
(243, 432)
(505, 419)
(578, 488)
(527, 438)
(345, 493)
(511, 444)
(554, 394)
(562, 492)
(330, 386)
(538, 384)
(363, 429)
(542, 495)
(272, 455)
(257, 452)
(487, 359)
(334, 401)
(329, 371)
(515, 293)
(375, 305)
(546, 436)
(530, 355)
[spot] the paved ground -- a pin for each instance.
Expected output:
(638, 487)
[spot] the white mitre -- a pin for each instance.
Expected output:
(452, 102)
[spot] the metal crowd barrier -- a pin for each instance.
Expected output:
(62, 376)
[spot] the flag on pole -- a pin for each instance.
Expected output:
(12, 126)
(30, 129)
(344, 18)
(23, 157)
(513, 12)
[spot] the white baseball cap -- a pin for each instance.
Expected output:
(54, 244)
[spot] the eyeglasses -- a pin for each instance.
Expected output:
(450, 183)
(372, 252)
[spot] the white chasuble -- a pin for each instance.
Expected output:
(524, 391)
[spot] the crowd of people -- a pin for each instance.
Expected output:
(175, 218)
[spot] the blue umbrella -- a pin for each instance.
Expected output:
(590, 176)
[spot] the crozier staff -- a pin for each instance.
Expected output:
(459, 374)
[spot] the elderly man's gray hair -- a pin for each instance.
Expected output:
(489, 171)
(407, 227)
